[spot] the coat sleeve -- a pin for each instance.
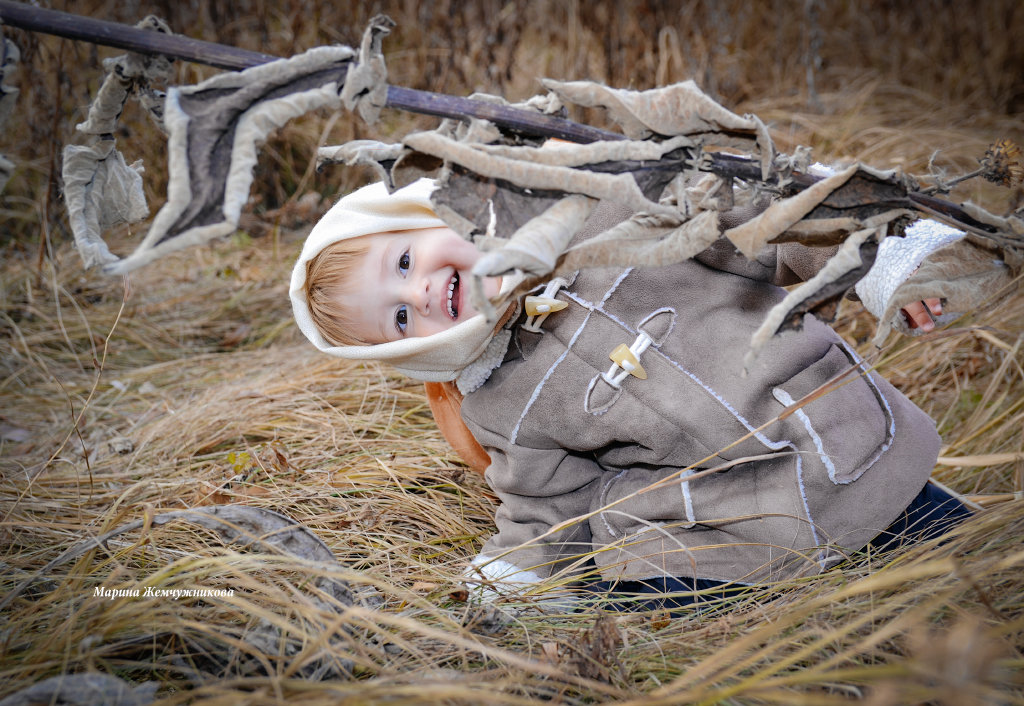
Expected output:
(539, 489)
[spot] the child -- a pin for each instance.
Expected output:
(743, 496)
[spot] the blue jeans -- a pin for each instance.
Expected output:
(930, 514)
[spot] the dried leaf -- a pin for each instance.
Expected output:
(281, 461)
(549, 653)
(641, 242)
(597, 656)
(621, 188)
(101, 191)
(365, 88)
(120, 445)
(536, 246)
(215, 127)
(394, 164)
(459, 595)
(679, 109)
(823, 302)
(753, 235)
(1010, 237)
(472, 204)
(848, 264)
(661, 619)
(486, 619)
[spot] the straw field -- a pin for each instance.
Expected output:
(131, 408)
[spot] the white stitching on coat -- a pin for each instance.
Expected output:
(601, 499)
(785, 398)
(652, 315)
(885, 402)
(568, 347)
(600, 310)
(684, 486)
(590, 391)
(773, 445)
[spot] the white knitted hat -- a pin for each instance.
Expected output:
(369, 210)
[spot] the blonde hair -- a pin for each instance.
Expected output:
(328, 275)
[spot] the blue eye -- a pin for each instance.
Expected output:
(401, 319)
(403, 263)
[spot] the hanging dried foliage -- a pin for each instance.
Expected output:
(525, 203)
(540, 195)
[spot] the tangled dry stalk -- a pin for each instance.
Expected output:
(188, 386)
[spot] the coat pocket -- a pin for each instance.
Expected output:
(849, 424)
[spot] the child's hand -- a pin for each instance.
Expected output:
(919, 314)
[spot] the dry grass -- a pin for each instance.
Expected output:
(188, 386)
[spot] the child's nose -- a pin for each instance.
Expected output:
(419, 295)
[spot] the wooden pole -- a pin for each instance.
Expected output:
(114, 34)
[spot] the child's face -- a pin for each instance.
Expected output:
(411, 284)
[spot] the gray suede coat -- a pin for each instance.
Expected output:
(792, 497)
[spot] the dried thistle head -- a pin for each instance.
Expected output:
(1002, 163)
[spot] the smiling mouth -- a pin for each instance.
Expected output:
(453, 296)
